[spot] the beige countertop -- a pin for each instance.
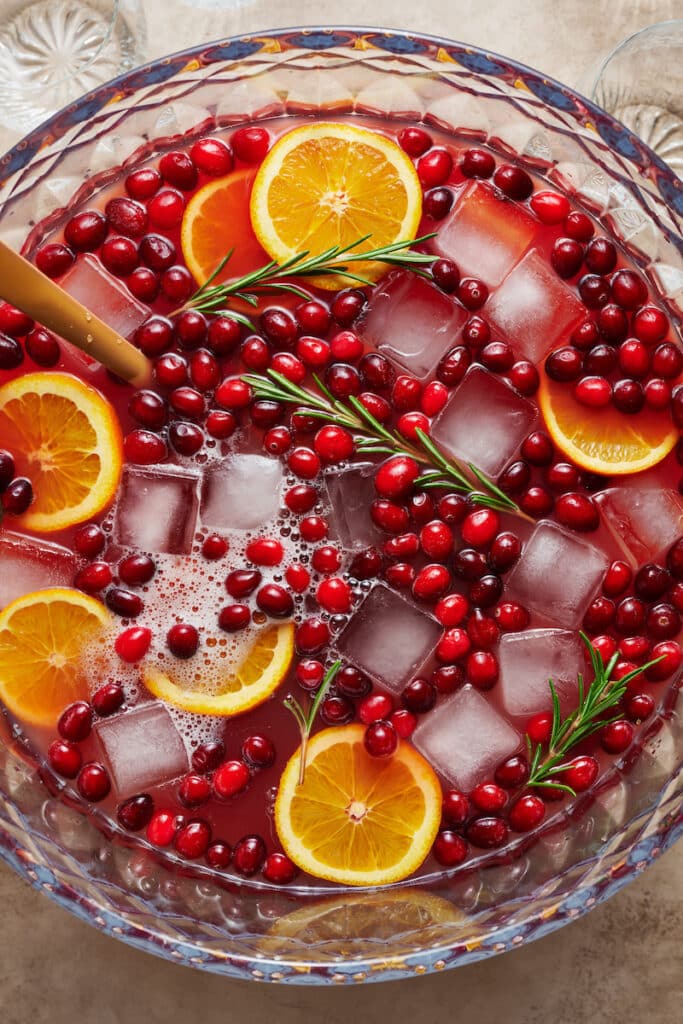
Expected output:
(620, 963)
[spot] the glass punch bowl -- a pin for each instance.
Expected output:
(587, 850)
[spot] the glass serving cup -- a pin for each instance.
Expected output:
(249, 929)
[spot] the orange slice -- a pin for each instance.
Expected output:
(356, 819)
(329, 184)
(604, 441)
(256, 677)
(217, 220)
(42, 639)
(66, 439)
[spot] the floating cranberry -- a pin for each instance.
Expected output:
(162, 828)
(538, 449)
(633, 648)
(485, 592)
(301, 498)
(126, 216)
(108, 699)
(326, 559)
(352, 683)
(565, 364)
(670, 655)
(154, 336)
(650, 325)
(448, 678)
(482, 669)
(313, 528)
(630, 616)
(566, 257)
(166, 209)
(455, 807)
(311, 636)
(419, 696)
(218, 855)
(577, 511)
(667, 361)
(473, 293)
(230, 778)
(594, 392)
(487, 833)
(334, 595)
(186, 438)
(605, 646)
(470, 564)
(275, 601)
(616, 737)
(94, 577)
(515, 478)
(241, 582)
(437, 203)
(54, 259)
(279, 869)
(513, 772)
(594, 290)
(208, 756)
(279, 326)
(65, 758)
(143, 183)
(194, 790)
(434, 168)
(75, 722)
(177, 283)
(304, 463)
(42, 347)
(380, 739)
(313, 352)
(480, 527)
(657, 394)
(628, 289)
(599, 614)
(663, 622)
(93, 782)
(434, 397)
(488, 797)
(192, 840)
(526, 813)
(170, 370)
(17, 496)
(497, 357)
(258, 751)
(136, 812)
(600, 360)
(124, 602)
(505, 549)
(477, 163)
(524, 376)
(652, 581)
(148, 409)
(414, 141)
(539, 727)
(580, 773)
(511, 616)
(277, 440)
(431, 582)
(634, 358)
(309, 674)
(579, 226)
(182, 640)
(314, 318)
(628, 396)
(157, 252)
(234, 617)
(213, 156)
(436, 540)
(453, 366)
(449, 848)
(178, 169)
(639, 707)
(347, 306)
(249, 855)
(250, 144)
(389, 517)
(513, 181)
(537, 502)
(336, 711)
(333, 444)
(549, 207)
(453, 645)
(375, 708)
(86, 231)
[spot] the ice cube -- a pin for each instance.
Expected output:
(157, 509)
(141, 748)
(557, 574)
(412, 322)
(241, 493)
(533, 308)
(484, 421)
(485, 234)
(106, 296)
(27, 564)
(350, 492)
(645, 521)
(464, 738)
(528, 660)
(389, 638)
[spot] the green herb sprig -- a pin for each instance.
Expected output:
(602, 696)
(373, 438)
(273, 277)
(305, 719)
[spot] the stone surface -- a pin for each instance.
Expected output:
(622, 961)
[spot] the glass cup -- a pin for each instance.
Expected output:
(641, 84)
(52, 51)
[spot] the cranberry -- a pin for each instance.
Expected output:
(470, 564)
(187, 402)
(279, 869)
(663, 622)
(178, 169)
(434, 397)
(162, 828)
(505, 550)
(220, 424)
(524, 376)
(142, 184)
(170, 370)
(389, 517)
(376, 371)
(177, 284)
(487, 833)
(265, 413)
(670, 656)
(93, 782)
(511, 616)
(108, 699)
(445, 272)
(75, 722)
(437, 203)
(157, 252)
(250, 144)
(154, 336)
(11, 353)
(537, 502)
(86, 231)
(419, 696)
(265, 551)
(549, 207)
(334, 595)
(241, 582)
(304, 463)
(477, 163)
(513, 181)
(54, 259)
(336, 711)
(650, 325)
(207, 757)
(594, 392)
(600, 360)
(421, 507)
(577, 511)
(616, 737)
(484, 593)
(657, 394)
(301, 498)
(434, 168)
(599, 614)
(182, 640)
(279, 326)
(630, 616)
(148, 409)
(436, 540)
(594, 291)
(94, 577)
(515, 478)
(405, 393)
(347, 306)
(480, 527)
(605, 646)
(431, 582)
(126, 216)
(309, 674)
(136, 812)
(526, 813)
(352, 683)
(333, 444)
(667, 361)
(453, 645)
(414, 141)
(326, 559)
(311, 636)
(17, 496)
(639, 707)
(234, 617)
(218, 855)
(313, 528)
(42, 347)
(191, 331)
(192, 840)
(482, 669)
(579, 226)
(628, 289)
(213, 156)
(277, 441)
(538, 449)
(634, 358)
(497, 356)
(249, 855)
(565, 364)
(585, 336)
(65, 758)
(314, 318)
(651, 581)
(513, 772)
(539, 727)
(452, 508)
(633, 648)
(275, 600)
(473, 293)
(366, 564)
(380, 739)
(617, 579)
(580, 773)
(166, 209)
(448, 678)
(455, 807)
(224, 335)
(375, 708)
(449, 848)
(566, 257)
(488, 797)
(453, 366)
(628, 396)
(186, 438)
(258, 751)
(396, 476)
(230, 778)
(124, 603)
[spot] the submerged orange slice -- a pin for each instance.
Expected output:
(254, 679)
(356, 819)
(217, 220)
(66, 439)
(42, 640)
(330, 184)
(604, 441)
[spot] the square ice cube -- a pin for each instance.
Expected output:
(241, 493)
(485, 234)
(645, 521)
(528, 660)
(389, 638)
(141, 748)
(484, 421)
(412, 322)
(533, 308)
(557, 574)
(464, 738)
(27, 564)
(350, 492)
(157, 509)
(89, 283)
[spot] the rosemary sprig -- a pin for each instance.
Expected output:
(603, 695)
(274, 277)
(373, 438)
(305, 721)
